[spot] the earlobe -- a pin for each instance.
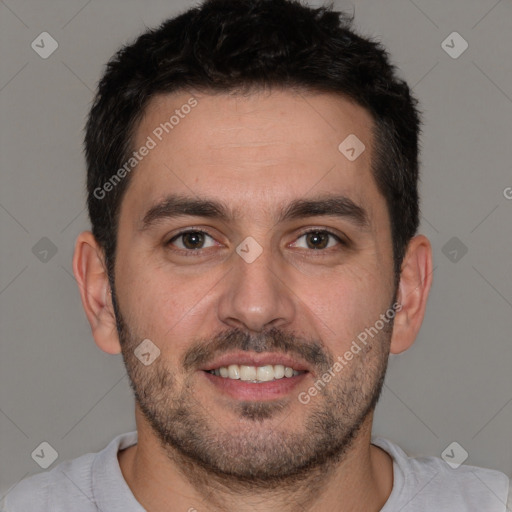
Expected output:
(90, 272)
(414, 287)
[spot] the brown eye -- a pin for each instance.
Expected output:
(192, 240)
(317, 240)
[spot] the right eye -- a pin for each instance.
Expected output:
(192, 240)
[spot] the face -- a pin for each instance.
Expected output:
(250, 246)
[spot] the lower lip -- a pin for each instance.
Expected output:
(245, 390)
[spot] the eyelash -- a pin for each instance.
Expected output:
(199, 252)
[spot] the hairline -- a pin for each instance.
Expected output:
(245, 89)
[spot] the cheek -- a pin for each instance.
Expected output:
(347, 302)
(161, 305)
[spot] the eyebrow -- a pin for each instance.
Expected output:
(330, 206)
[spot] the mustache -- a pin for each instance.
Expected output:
(272, 340)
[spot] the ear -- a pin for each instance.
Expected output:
(91, 274)
(414, 287)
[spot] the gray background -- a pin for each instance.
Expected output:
(455, 384)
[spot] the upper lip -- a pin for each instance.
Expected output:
(256, 359)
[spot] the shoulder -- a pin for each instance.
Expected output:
(68, 483)
(68, 486)
(430, 480)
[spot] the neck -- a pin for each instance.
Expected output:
(359, 479)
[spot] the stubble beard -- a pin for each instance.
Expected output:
(259, 452)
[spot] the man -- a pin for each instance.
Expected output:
(252, 181)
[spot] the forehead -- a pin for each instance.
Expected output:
(260, 150)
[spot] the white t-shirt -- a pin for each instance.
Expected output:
(94, 483)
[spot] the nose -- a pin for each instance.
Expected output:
(256, 295)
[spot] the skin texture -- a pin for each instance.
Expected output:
(199, 446)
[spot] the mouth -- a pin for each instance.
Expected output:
(255, 377)
(256, 374)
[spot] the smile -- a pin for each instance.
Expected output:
(255, 374)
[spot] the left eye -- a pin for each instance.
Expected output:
(192, 240)
(317, 240)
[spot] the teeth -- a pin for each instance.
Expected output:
(265, 373)
(247, 372)
(233, 371)
(255, 373)
(278, 371)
